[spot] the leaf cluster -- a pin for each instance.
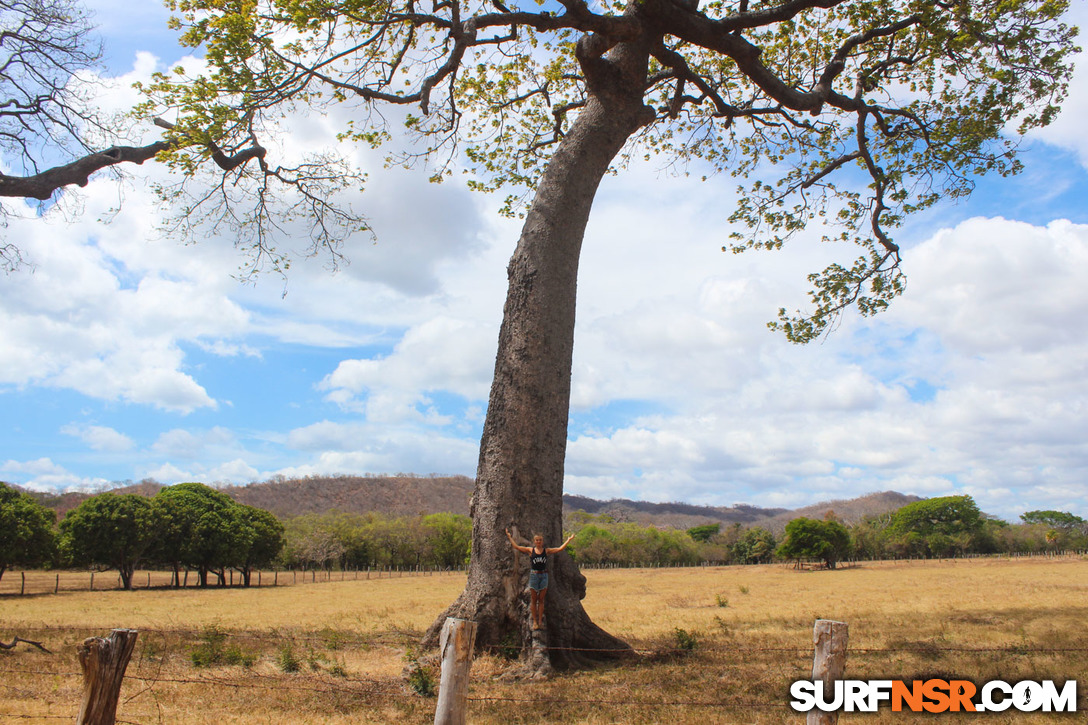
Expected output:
(841, 117)
(189, 524)
(26, 530)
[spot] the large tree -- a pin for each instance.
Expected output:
(109, 530)
(197, 528)
(827, 541)
(258, 539)
(26, 530)
(842, 115)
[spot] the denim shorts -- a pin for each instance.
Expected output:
(538, 580)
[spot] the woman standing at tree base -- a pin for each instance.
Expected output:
(538, 573)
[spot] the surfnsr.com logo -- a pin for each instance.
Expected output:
(934, 696)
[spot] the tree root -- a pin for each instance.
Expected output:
(17, 640)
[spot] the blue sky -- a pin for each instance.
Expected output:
(124, 355)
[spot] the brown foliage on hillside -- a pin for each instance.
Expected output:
(400, 495)
(409, 495)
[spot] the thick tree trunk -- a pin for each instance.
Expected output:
(519, 481)
(126, 571)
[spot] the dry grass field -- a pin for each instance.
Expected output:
(336, 652)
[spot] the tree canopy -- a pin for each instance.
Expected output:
(827, 541)
(26, 530)
(1054, 519)
(258, 539)
(872, 110)
(946, 515)
(110, 530)
(197, 527)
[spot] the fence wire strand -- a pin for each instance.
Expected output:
(398, 689)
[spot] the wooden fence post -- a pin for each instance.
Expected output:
(103, 662)
(828, 665)
(455, 644)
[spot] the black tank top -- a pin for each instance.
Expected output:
(539, 562)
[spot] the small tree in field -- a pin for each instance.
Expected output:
(826, 541)
(846, 115)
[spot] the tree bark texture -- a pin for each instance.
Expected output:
(104, 662)
(519, 479)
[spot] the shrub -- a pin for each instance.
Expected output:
(421, 680)
(287, 660)
(212, 650)
(685, 640)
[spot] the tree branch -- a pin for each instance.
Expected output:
(17, 640)
(43, 185)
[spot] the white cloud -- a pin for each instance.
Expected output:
(441, 353)
(169, 474)
(994, 324)
(43, 474)
(236, 471)
(99, 437)
(189, 445)
(973, 382)
(357, 448)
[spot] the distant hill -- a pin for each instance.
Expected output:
(675, 514)
(390, 495)
(408, 495)
(849, 511)
(682, 515)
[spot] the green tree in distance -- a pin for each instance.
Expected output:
(936, 526)
(704, 532)
(1054, 519)
(846, 115)
(197, 529)
(756, 546)
(827, 541)
(109, 530)
(946, 515)
(26, 530)
(258, 540)
(449, 538)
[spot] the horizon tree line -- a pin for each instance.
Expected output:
(193, 527)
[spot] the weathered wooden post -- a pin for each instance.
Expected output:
(103, 662)
(455, 644)
(828, 665)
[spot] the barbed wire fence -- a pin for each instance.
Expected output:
(31, 582)
(40, 582)
(155, 667)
